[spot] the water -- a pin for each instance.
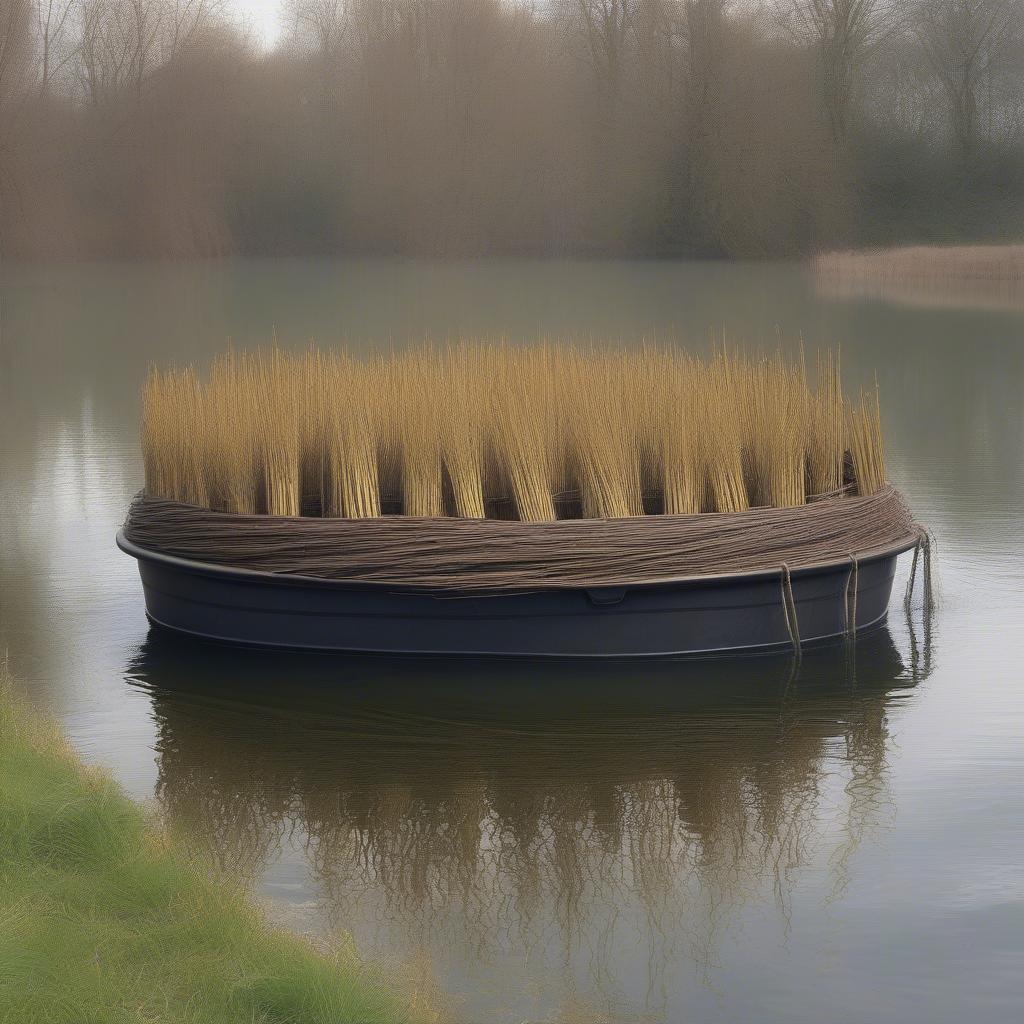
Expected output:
(703, 841)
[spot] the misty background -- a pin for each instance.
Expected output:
(472, 127)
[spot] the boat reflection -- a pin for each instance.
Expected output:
(521, 822)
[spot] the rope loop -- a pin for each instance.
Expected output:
(789, 608)
(923, 550)
(850, 601)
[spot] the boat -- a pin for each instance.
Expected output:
(695, 615)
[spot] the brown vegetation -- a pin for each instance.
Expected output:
(988, 277)
(924, 263)
(158, 127)
(492, 431)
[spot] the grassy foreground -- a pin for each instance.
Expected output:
(104, 919)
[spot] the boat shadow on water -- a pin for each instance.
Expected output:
(479, 811)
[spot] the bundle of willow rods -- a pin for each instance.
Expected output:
(487, 431)
(485, 467)
(441, 553)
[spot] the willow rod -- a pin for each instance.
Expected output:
(492, 554)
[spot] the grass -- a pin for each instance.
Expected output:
(474, 430)
(104, 919)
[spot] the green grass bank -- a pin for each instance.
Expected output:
(104, 919)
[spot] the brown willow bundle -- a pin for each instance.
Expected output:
(351, 486)
(477, 430)
(677, 440)
(418, 417)
(492, 554)
(722, 394)
(463, 430)
(177, 461)
(230, 414)
(775, 402)
(277, 396)
(605, 435)
(521, 408)
(826, 430)
(867, 450)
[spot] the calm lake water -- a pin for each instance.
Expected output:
(706, 841)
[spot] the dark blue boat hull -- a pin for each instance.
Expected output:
(691, 616)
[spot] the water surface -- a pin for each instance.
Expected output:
(715, 841)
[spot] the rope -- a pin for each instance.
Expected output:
(789, 608)
(850, 602)
(913, 574)
(923, 553)
(501, 555)
(929, 593)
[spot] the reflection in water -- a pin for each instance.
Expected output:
(574, 816)
(697, 796)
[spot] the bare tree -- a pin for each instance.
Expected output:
(605, 28)
(16, 62)
(118, 46)
(58, 49)
(15, 69)
(704, 33)
(702, 30)
(966, 43)
(842, 32)
(124, 41)
(318, 25)
(471, 126)
(183, 21)
(15, 45)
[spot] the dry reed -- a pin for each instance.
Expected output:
(775, 431)
(605, 435)
(924, 263)
(277, 408)
(722, 394)
(825, 434)
(867, 450)
(234, 443)
(463, 435)
(676, 431)
(522, 422)
(177, 460)
(420, 423)
(351, 483)
(478, 430)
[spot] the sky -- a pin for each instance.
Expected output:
(262, 15)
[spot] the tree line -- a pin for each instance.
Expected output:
(740, 128)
